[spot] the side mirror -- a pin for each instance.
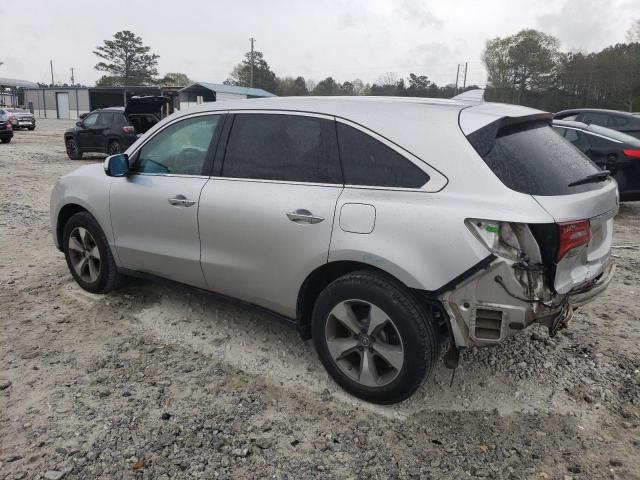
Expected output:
(78, 124)
(117, 165)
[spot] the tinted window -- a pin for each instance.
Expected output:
(120, 120)
(180, 148)
(619, 121)
(531, 158)
(282, 147)
(367, 161)
(596, 118)
(104, 118)
(579, 139)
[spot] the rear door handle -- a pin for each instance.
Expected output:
(304, 216)
(181, 201)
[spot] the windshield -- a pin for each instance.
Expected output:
(531, 158)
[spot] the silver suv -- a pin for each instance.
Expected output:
(382, 228)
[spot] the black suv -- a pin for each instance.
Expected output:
(112, 130)
(610, 150)
(615, 120)
(6, 130)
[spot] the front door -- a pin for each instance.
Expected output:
(154, 211)
(84, 132)
(266, 221)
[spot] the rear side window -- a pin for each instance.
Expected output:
(579, 139)
(367, 161)
(104, 118)
(597, 118)
(291, 148)
(531, 158)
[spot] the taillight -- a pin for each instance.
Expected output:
(9, 127)
(128, 130)
(572, 235)
(12, 117)
(632, 152)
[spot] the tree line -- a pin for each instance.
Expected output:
(527, 68)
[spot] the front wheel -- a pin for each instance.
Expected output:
(374, 337)
(6, 140)
(88, 254)
(31, 128)
(73, 150)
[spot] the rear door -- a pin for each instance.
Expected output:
(266, 218)
(154, 211)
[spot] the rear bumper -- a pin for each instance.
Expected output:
(582, 295)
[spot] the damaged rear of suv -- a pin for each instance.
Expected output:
(536, 270)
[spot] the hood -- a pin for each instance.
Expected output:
(148, 104)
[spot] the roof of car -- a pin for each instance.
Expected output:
(597, 129)
(335, 105)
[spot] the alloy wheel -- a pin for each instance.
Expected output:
(364, 343)
(72, 148)
(84, 254)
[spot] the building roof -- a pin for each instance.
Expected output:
(14, 82)
(222, 88)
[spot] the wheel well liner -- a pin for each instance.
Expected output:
(64, 215)
(322, 276)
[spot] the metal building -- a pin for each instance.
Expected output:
(9, 90)
(202, 92)
(71, 102)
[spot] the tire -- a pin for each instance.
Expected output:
(31, 128)
(73, 150)
(114, 147)
(6, 140)
(107, 277)
(405, 331)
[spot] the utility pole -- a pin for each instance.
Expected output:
(457, 76)
(72, 79)
(251, 77)
(51, 65)
(464, 84)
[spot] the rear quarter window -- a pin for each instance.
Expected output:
(369, 162)
(531, 158)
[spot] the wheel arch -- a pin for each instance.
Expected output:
(322, 276)
(68, 211)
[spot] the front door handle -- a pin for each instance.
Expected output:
(303, 216)
(181, 201)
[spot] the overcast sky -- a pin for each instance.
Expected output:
(345, 39)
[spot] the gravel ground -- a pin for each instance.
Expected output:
(158, 382)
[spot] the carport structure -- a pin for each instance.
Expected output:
(9, 90)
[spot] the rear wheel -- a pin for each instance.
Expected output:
(374, 337)
(114, 147)
(88, 254)
(73, 150)
(6, 140)
(31, 128)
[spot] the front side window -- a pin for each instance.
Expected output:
(90, 120)
(179, 149)
(292, 148)
(367, 161)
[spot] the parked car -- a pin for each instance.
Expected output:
(624, 122)
(6, 130)
(112, 130)
(19, 118)
(610, 150)
(381, 228)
